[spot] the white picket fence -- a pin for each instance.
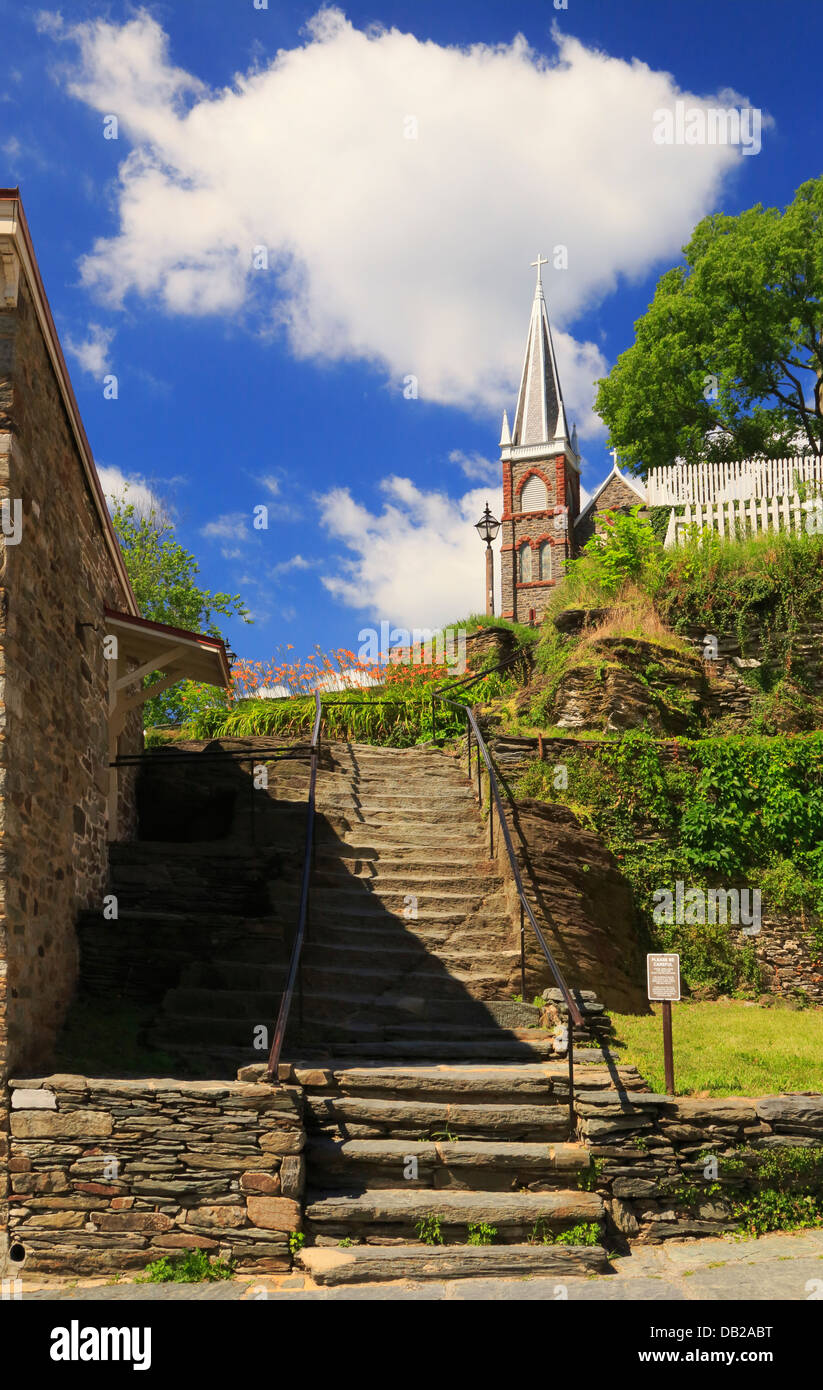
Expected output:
(703, 484)
(741, 518)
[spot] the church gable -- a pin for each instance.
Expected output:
(616, 493)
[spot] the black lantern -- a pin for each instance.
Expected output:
(487, 527)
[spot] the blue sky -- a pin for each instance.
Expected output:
(401, 165)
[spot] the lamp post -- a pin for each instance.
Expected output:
(487, 528)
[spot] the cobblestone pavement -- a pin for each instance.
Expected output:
(780, 1268)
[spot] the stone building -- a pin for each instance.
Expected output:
(617, 493)
(74, 652)
(541, 478)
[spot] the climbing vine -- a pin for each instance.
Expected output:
(733, 811)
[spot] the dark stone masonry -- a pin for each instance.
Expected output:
(655, 1155)
(109, 1175)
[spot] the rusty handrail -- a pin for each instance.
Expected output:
(297, 947)
(496, 803)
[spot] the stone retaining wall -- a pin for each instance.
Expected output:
(109, 1175)
(654, 1176)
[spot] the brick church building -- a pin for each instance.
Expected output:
(543, 524)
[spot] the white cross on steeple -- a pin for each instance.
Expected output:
(541, 260)
(614, 456)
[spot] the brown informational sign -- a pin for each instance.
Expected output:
(663, 974)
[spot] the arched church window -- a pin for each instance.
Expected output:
(525, 563)
(535, 495)
(546, 560)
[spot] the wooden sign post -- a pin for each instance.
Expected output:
(663, 975)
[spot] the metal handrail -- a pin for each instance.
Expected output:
(297, 947)
(575, 1016)
(496, 804)
(438, 692)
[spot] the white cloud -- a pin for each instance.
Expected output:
(234, 526)
(91, 352)
(476, 467)
(296, 562)
(134, 489)
(411, 254)
(419, 562)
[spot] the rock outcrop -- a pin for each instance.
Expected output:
(583, 903)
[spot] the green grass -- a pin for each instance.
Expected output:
(728, 1049)
(194, 1267)
(361, 716)
(522, 631)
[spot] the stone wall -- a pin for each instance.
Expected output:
(110, 1175)
(789, 956)
(56, 582)
(654, 1155)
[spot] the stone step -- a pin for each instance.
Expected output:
(371, 912)
(387, 797)
(406, 958)
(191, 1037)
(411, 879)
(325, 990)
(395, 900)
(476, 1165)
(430, 979)
(368, 1264)
(381, 1213)
(324, 963)
(396, 835)
(427, 1039)
(356, 812)
(399, 857)
(530, 1122)
(485, 1049)
(446, 1082)
(456, 1009)
(480, 936)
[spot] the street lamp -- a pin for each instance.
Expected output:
(487, 528)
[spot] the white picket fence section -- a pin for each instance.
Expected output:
(742, 518)
(705, 484)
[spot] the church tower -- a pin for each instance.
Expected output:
(541, 477)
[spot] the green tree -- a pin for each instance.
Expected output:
(164, 577)
(727, 361)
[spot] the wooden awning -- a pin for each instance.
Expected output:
(142, 648)
(158, 647)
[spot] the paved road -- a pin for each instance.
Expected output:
(777, 1268)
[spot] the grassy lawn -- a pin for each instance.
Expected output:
(728, 1049)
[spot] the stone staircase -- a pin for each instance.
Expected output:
(409, 1166)
(437, 1110)
(411, 950)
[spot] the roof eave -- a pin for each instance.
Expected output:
(18, 232)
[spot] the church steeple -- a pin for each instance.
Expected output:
(539, 417)
(541, 476)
